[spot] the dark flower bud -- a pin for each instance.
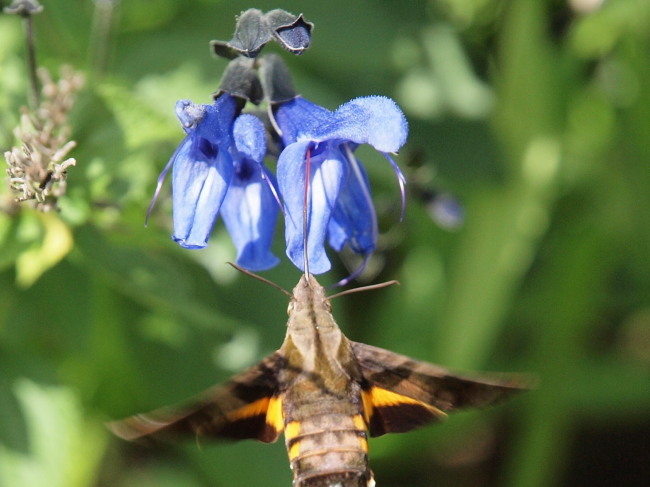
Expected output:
(255, 29)
(291, 32)
(240, 80)
(222, 49)
(24, 8)
(276, 79)
(251, 33)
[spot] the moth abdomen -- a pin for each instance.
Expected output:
(341, 478)
(329, 450)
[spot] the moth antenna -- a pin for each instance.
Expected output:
(260, 278)
(364, 288)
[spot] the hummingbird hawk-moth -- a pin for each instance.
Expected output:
(326, 393)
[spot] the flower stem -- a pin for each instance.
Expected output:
(34, 88)
(27, 9)
(103, 18)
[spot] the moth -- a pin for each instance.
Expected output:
(326, 393)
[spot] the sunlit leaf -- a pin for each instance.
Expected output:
(42, 254)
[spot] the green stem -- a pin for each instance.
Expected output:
(99, 38)
(34, 91)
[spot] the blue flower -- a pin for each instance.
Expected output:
(217, 169)
(251, 208)
(337, 202)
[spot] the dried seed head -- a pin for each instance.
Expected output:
(37, 169)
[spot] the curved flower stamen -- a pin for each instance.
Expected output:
(159, 184)
(402, 183)
(356, 273)
(269, 179)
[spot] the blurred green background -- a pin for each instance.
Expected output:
(535, 115)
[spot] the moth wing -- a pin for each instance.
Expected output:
(401, 394)
(246, 406)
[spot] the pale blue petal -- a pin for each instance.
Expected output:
(189, 114)
(200, 179)
(374, 120)
(217, 122)
(298, 116)
(249, 212)
(202, 169)
(354, 220)
(328, 171)
(249, 136)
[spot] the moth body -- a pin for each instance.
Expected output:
(325, 431)
(327, 394)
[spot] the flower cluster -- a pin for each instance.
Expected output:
(218, 168)
(322, 188)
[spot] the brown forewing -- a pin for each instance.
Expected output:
(435, 389)
(233, 410)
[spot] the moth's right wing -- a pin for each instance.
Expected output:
(246, 406)
(401, 394)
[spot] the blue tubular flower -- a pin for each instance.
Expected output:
(202, 169)
(250, 209)
(216, 169)
(328, 171)
(338, 202)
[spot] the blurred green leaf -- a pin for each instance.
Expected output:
(64, 447)
(40, 256)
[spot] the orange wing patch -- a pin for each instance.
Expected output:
(388, 412)
(261, 419)
(274, 415)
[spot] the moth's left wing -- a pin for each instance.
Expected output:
(246, 406)
(400, 393)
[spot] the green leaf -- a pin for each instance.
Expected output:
(64, 446)
(45, 252)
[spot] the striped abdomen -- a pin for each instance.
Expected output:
(329, 450)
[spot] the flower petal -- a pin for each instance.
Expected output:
(189, 114)
(354, 220)
(249, 212)
(291, 32)
(249, 136)
(374, 120)
(328, 171)
(297, 116)
(200, 179)
(218, 120)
